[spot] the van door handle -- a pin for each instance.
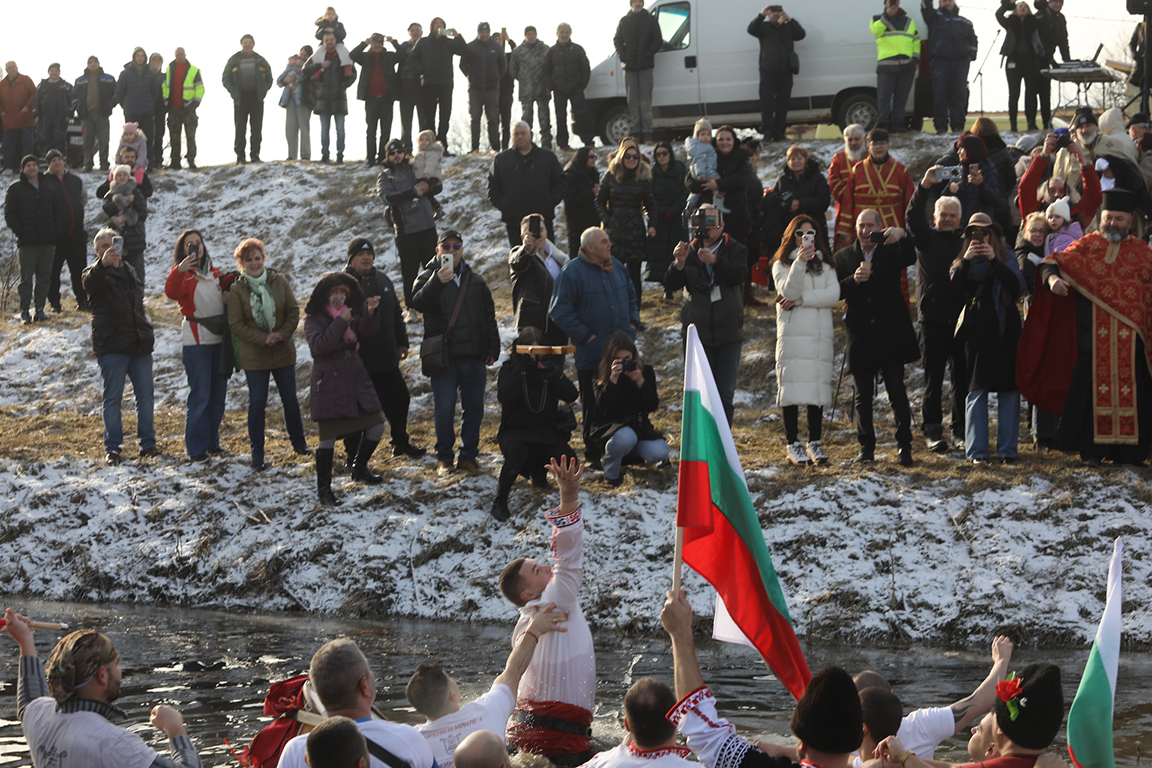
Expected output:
(689, 62)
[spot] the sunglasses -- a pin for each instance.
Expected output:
(591, 157)
(663, 153)
(451, 246)
(395, 152)
(631, 156)
(977, 232)
(805, 232)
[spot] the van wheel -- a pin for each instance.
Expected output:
(616, 125)
(859, 108)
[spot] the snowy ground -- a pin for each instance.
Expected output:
(938, 556)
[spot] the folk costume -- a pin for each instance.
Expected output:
(884, 187)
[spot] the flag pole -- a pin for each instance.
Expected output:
(677, 560)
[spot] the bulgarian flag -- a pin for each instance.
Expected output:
(1090, 719)
(722, 539)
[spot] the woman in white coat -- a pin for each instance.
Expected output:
(807, 290)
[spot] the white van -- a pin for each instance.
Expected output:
(709, 66)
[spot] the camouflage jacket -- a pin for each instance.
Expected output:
(527, 66)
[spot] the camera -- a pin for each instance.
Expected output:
(535, 223)
(950, 173)
(701, 220)
(1063, 140)
(876, 237)
(775, 8)
(628, 365)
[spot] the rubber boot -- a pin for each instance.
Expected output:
(324, 477)
(360, 471)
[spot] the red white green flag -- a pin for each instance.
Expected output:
(1090, 719)
(723, 541)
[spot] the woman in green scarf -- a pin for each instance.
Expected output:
(263, 315)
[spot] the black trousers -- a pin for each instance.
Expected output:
(587, 382)
(528, 459)
(775, 93)
(897, 395)
(414, 250)
(156, 153)
(634, 272)
(378, 113)
(792, 423)
(1028, 70)
(939, 350)
(73, 252)
(409, 102)
(393, 393)
(507, 99)
(513, 229)
(433, 96)
(484, 104)
(580, 126)
(248, 111)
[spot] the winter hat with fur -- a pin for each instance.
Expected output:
(828, 716)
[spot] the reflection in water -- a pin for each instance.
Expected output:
(215, 667)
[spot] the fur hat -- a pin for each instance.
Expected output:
(828, 716)
(703, 124)
(1060, 208)
(1030, 707)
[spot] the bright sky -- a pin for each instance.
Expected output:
(210, 31)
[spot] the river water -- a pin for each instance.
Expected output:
(215, 667)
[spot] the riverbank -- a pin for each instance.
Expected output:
(942, 554)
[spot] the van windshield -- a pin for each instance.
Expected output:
(673, 19)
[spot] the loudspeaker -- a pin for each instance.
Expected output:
(1140, 7)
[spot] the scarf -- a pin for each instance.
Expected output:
(349, 334)
(263, 305)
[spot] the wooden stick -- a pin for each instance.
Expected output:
(677, 560)
(40, 625)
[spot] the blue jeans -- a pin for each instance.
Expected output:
(17, 143)
(468, 377)
(207, 390)
(892, 88)
(976, 424)
(258, 401)
(624, 443)
(325, 133)
(138, 368)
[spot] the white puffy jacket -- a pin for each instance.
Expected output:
(804, 334)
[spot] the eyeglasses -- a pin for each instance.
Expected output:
(631, 156)
(805, 232)
(451, 246)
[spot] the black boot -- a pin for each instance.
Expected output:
(324, 477)
(499, 509)
(360, 471)
(351, 446)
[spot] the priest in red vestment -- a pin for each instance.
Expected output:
(1094, 298)
(840, 169)
(878, 182)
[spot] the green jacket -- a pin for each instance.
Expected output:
(252, 352)
(193, 90)
(527, 66)
(897, 41)
(232, 76)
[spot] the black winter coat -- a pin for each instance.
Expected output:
(433, 57)
(120, 326)
(484, 63)
(35, 215)
(623, 405)
(717, 322)
(387, 64)
(408, 67)
(579, 202)
(381, 351)
(72, 200)
(53, 101)
(626, 209)
(135, 238)
(879, 328)
(532, 285)
(1016, 28)
(107, 86)
(737, 179)
(937, 299)
(138, 91)
(671, 196)
(777, 43)
(1054, 31)
(475, 334)
(529, 399)
(522, 184)
(810, 188)
(566, 68)
(990, 350)
(637, 41)
(331, 86)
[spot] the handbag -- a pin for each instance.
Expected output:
(434, 349)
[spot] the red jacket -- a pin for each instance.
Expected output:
(1090, 198)
(15, 96)
(199, 296)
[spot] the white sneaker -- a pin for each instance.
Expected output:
(815, 453)
(796, 454)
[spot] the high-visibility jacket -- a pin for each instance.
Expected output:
(897, 40)
(193, 86)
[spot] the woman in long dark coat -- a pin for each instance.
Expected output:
(580, 198)
(671, 196)
(343, 400)
(987, 272)
(626, 207)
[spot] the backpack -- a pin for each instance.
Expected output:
(286, 702)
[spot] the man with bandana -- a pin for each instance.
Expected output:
(1082, 351)
(68, 717)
